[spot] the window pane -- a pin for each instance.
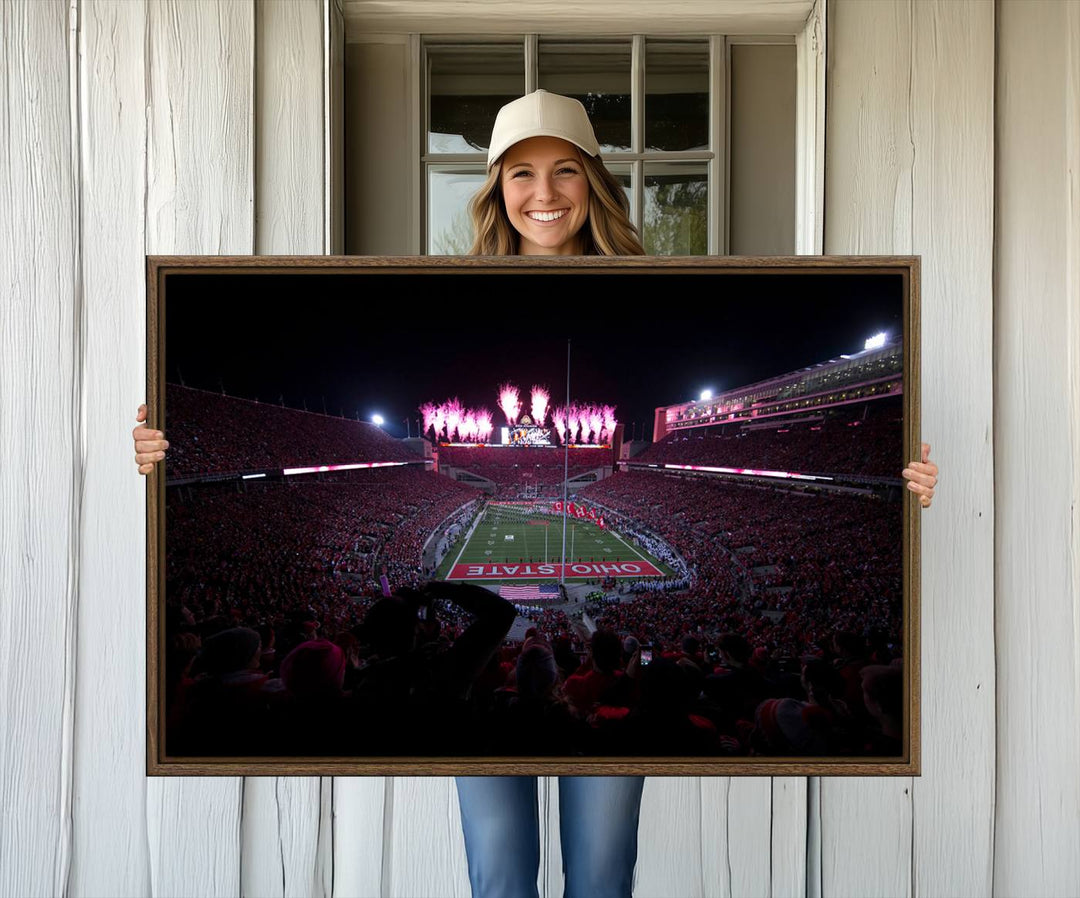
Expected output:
(597, 74)
(676, 209)
(467, 85)
(624, 176)
(762, 197)
(449, 191)
(676, 95)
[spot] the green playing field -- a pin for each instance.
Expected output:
(516, 534)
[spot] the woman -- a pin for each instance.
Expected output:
(548, 193)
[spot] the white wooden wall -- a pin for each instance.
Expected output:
(910, 153)
(953, 131)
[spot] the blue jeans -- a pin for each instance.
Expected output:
(598, 822)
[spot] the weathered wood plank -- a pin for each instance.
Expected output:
(280, 837)
(866, 837)
(909, 170)
(193, 830)
(1037, 449)
(788, 842)
(424, 851)
(199, 181)
(360, 809)
(282, 816)
(40, 444)
(672, 838)
(736, 822)
(869, 158)
(868, 155)
(199, 200)
(109, 814)
(358, 803)
(289, 128)
(953, 229)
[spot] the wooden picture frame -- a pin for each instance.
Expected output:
(260, 316)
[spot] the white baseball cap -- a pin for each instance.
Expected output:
(541, 114)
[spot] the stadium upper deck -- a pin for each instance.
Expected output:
(212, 435)
(863, 376)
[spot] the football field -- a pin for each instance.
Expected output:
(512, 542)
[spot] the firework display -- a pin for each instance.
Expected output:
(579, 423)
(510, 402)
(540, 398)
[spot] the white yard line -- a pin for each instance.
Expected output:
(631, 548)
(465, 542)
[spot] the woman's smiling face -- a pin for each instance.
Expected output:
(546, 195)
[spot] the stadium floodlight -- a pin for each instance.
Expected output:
(876, 341)
(378, 420)
(706, 395)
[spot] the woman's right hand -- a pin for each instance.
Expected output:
(150, 445)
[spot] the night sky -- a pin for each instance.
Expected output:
(377, 343)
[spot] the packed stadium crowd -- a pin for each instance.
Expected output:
(401, 684)
(311, 547)
(779, 634)
(822, 561)
(215, 434)
(843, 444)
(508, 457)
(514, 470)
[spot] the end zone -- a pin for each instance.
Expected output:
(536, 570)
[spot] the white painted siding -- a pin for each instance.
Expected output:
(909, 149)
(40, 446)
(135, 127)
(1037, 377)
(109, 833)
(286, 840)
(200, 199)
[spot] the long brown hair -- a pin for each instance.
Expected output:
(608, 230)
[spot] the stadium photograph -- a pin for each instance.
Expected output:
(545, 514)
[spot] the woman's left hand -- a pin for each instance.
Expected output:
(922, 477)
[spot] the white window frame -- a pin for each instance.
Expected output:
(809, 39)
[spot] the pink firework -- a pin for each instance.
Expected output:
(558, 419)
(483, 425)
(596, 422)
(453, 417)
(609, 422)
(571, 423)
(438, 420)
(510, 402)
(467, 429)
(428, 410)
(583, 420)
(540, 397)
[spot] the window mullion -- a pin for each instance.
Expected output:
(532, 62)
(421, 230)
(718, 132)
(725, 209)
(637, 129)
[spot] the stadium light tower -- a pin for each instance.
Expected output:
(706, 395)
(876, 341)
(378, 420)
